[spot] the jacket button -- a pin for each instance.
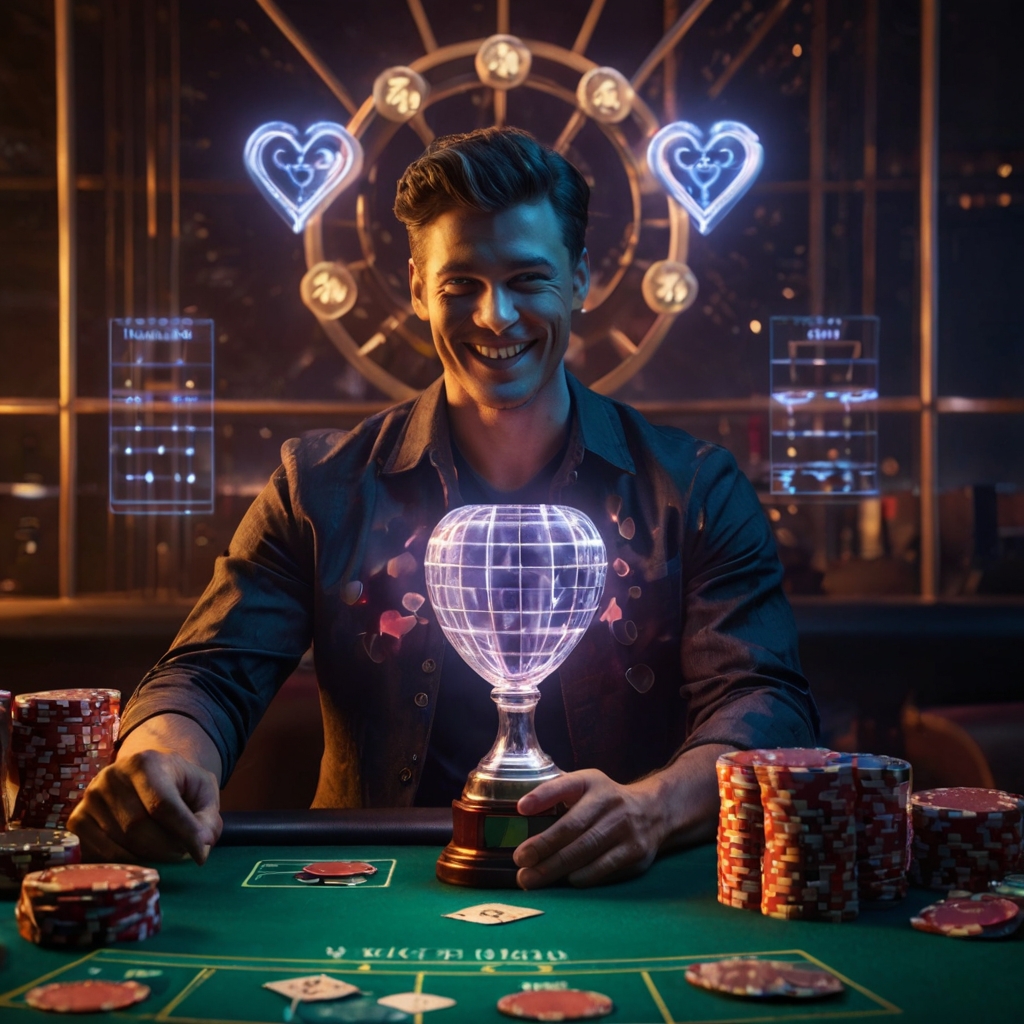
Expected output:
(421, 700)
(405, 774)
(428, 666)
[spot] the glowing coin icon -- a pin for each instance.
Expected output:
(605, 95)
(329, 290)
(503, 62)
(398, 93)
(669, 287)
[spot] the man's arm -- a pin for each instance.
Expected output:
(159, 800)
(612, 831)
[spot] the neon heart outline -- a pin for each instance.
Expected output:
(705, 218)
(344, 171)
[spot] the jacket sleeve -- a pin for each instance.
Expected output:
(246, 633)
(742, 682)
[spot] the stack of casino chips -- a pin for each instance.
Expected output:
(883, 834)
(965, 837)
(60, 741)
(810, 837)
(740, 831)
(25, 850)
(89, 905)
(5, 742)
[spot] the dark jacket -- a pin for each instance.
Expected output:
(331, 553)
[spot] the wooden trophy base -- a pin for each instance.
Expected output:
(483, 841)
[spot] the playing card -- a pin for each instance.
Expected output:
(493, 913)
(416, 1002)
(312, 988)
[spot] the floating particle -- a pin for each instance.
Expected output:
(402, 565)
(620, 567)
(612, 613)
(396, 624)
(624, 631)
(640, 677)
(413, 602)
(351, 592)
(627, 528)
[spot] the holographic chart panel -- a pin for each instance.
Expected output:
(161, 416)
(824, 378)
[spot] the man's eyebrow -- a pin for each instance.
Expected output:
(460, 267)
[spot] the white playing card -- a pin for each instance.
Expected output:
(416, 1002)
(312, 988)
(493, 913)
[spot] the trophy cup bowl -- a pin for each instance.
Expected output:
(514, 588)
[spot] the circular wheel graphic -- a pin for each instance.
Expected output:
(637, 238)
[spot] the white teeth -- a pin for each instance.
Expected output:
(500, 353)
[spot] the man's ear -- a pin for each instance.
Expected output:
(416, 288)
(581, 280)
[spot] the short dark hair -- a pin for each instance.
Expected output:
(490, 170)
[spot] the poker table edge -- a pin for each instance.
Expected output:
(379, 826)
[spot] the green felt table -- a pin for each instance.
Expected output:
(242, 920)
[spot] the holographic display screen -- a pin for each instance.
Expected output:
(824, 379)
(161, 416)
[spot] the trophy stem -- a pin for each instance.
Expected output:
(487, 827)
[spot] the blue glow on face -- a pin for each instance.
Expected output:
(299, 174)
(706, 178)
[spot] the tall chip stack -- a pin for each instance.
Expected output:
(60, 741)
(5, 743)
(965, 837)
(24, 850)
(883, 833)
(810, 837)
(740, 831)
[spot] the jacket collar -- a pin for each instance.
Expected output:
(425, 432)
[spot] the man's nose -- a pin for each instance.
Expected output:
(496, 310)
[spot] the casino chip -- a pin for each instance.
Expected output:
(556, 1005)
(764, 979)
(60, 741)
(90, 996)
(88, 905)
(982, 916)
(339, 868)
(33, 849)
(1010, 888)
(965, 837)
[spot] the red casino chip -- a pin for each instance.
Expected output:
(339, 868)
(90, 996)
(981, 916)
(107, 878)
(556, 1005)
(764, 979)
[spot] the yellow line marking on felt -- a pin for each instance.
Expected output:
(45, 977)
(203, 975)
(891, 1007)
(418, 987)
(656, 996)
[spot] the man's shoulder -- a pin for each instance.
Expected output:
(334, 451)
(674, 449)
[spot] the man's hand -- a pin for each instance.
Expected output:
(153, 803)
(613, 831)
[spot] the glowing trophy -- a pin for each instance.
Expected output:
(514, 587)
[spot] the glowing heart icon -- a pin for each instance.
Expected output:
(301, 174)
(708, 178)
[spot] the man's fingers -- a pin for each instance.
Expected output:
(566, 789)
(587, 845)
(202, 794)
(162, 799)
(96, 843)
(622, 861)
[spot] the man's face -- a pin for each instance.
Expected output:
(499, 290)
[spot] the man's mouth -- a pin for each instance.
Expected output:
(496, 354)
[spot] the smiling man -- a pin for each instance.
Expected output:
(694, 652)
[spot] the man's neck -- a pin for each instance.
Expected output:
(509, 447)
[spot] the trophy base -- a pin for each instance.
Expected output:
(484, 837)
